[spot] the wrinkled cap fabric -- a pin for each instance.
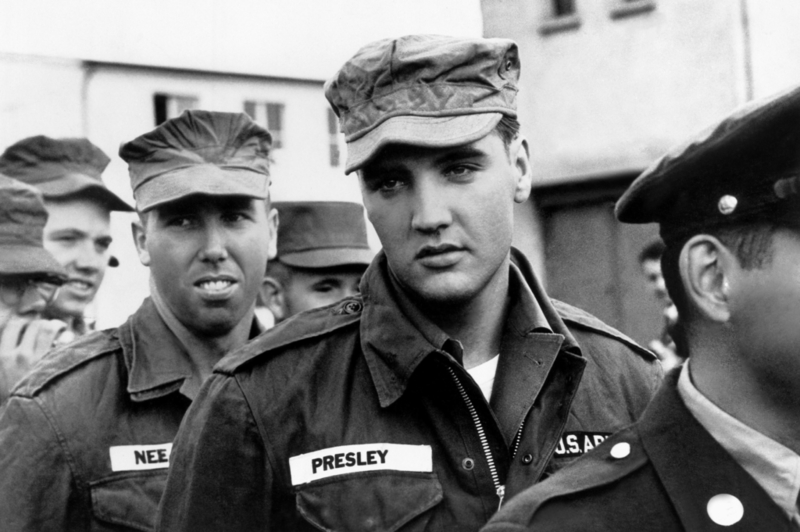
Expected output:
(22, 221)
(61, 168)
(200, 152)
(427, 90)
(322, 234)
(746, 167)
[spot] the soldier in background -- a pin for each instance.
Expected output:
(322, 254)
(719, 445)
(85, 438)
(664, 346)
(68, 173)
(29, 279)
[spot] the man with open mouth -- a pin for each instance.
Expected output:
(452, 382)
(78, 233)
(85, 439)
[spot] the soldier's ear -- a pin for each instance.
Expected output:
(706, 267)
(140, 240)
(521, 159)
(272, 295)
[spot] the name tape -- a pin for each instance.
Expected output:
(356, 458)
(140, 457)
(578, 443)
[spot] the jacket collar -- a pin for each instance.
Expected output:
(157, 362)
(396, 338)
(693, 467)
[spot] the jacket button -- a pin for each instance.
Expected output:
(527, 459)
(621, 450)
(468, 464)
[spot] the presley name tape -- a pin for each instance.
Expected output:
(356, 458)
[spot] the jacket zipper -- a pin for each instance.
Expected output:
(499, 488)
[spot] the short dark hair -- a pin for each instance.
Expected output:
(652, 251)
(750, 242)
(507, 129)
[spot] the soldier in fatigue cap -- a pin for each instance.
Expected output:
(719, 446)
(452, 381)
(78, 233)
(85, 439)
(29, 279)
(322, 254)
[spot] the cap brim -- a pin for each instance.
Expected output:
(328, 258)
(208, 180)
(425, 131)
(29, 260)
(74, 184)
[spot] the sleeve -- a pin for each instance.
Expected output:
(36, 482)
(219, 476)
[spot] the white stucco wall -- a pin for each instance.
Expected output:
(614, 93)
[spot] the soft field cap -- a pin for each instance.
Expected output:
(745, 167)
(61, 168)
(22, 221)
(200, 152)
(322, 234)
(427, 90)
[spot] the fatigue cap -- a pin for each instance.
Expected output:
(200, 152)
(745, 168)
(61, 168)
(426, 90)
(322, 234)
(22, 220)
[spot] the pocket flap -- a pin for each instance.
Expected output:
(374, 501)
(129, 499)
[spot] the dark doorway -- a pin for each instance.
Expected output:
(591, 259)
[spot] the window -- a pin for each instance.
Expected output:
(270, 116)
(561, 16)
(563, 8)
(333, 138)
(168, 106)
(627, 8)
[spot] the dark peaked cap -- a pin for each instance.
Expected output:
(746, 167)
(322, 234)
(61, 168)
(22, 221)
(200, 152)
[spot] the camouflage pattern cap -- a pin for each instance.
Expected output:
(322, 234)
(61, 168)
(200, 152)
(22, 221)
(746, 167)
(426, 90)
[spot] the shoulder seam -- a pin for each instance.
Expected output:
(229, 364)
(603, 328)
(30, 386)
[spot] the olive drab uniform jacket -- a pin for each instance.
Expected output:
(659, 475)
(85, 438)
(349, 418)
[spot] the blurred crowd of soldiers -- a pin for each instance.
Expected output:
(283, 376)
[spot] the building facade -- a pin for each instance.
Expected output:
(607, 87)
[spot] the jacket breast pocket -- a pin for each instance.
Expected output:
(375, 501)
(128, 500)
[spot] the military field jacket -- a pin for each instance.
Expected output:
(347, 418)
(85, 438)
(659, 475)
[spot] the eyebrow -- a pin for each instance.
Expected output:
(459, 154)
